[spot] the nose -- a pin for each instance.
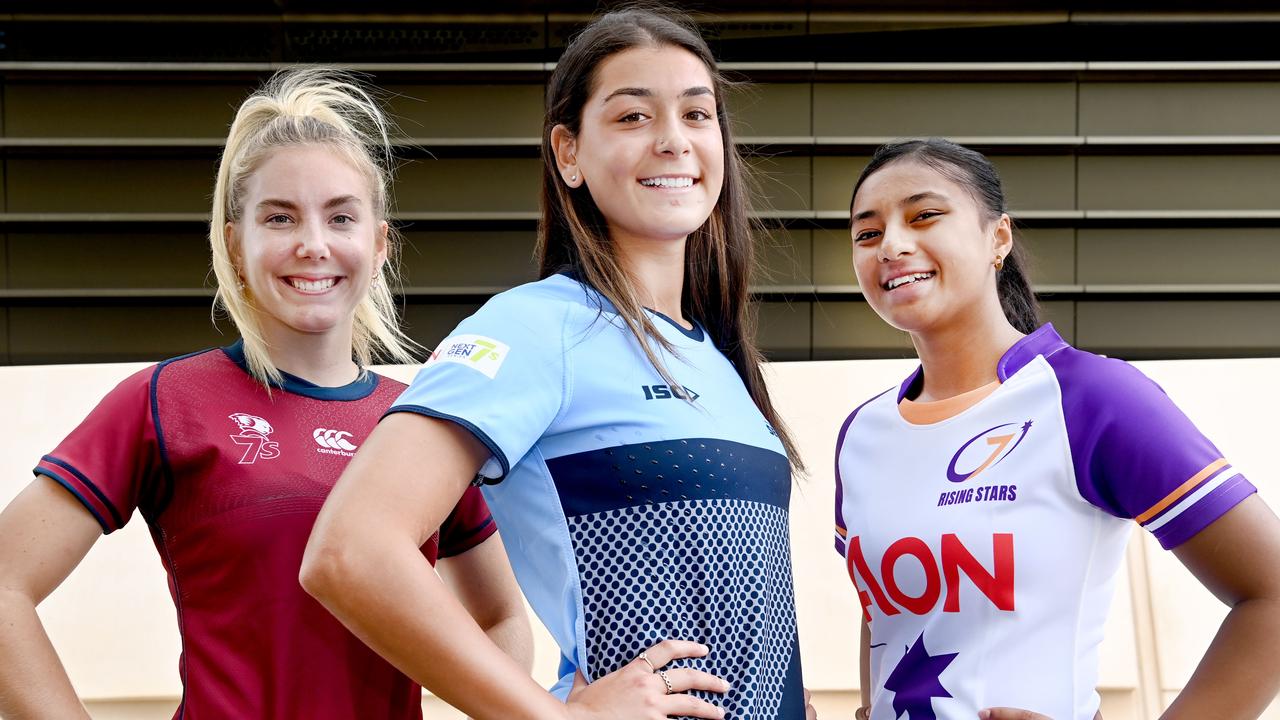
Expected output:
(671, 138)
(896, 242)
(312, 241)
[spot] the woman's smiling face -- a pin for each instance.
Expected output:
(309, 241)
(649, 149)
(923, 249)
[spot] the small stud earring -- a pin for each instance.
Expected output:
(573, 178)
(999, 263)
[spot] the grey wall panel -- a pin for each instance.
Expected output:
(784, 183)
(115, 109)
(1180, 255)
(1052, 252)
(1236, 182)
(1030, 182)
(849, 329)
(785, 257)
(110, 334)
(472, 185)
(1147, 329)
(460, 258)
(784, 330)
(772, 109)
(139, 259)
(1180, 108)
(950, 109)
(1062, 313)
(467, 111)
(110, 185)
(4, 260)
(833, 258)
(429, 324)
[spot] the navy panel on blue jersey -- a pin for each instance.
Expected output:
(668, 471)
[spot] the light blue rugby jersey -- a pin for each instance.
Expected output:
(630, 515)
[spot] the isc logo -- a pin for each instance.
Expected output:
(665, 392)
(939, 574)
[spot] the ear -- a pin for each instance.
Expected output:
(380, 247)
(233, 245)
(565, 147)
(1002, 236)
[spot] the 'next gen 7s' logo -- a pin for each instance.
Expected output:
(254, 435)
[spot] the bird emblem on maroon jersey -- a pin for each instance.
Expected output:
(254, 436)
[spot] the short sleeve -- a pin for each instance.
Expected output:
(1137, 455)
(111, 462)
(500, 374)
(467, 526)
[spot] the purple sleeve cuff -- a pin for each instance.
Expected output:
(1204, 512)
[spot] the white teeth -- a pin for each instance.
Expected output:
(669, 182)
(906, 279)
(312, 285)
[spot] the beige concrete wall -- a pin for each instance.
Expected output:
(114, 624)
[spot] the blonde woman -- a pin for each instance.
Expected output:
(229, 453)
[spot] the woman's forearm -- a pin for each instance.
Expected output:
(33, 683)
(381, 589)
(1240, 672)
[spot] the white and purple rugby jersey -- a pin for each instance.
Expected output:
(985, 545)
(630, 514)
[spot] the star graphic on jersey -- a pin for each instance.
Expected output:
(1025, 427)
(917, 680)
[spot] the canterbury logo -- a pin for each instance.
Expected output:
(335, 439)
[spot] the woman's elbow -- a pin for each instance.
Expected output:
(325, 566)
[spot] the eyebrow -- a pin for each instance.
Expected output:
(290, 205)
(910, 200)
(646, 92)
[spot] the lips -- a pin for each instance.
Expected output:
(905, 279)
(669, 182)
(312, 286)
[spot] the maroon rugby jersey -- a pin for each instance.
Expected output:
(230, 480)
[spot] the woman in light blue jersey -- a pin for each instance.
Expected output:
(617, 417)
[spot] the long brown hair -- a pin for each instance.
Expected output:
(719, 256)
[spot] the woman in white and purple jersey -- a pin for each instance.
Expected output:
(983, 507)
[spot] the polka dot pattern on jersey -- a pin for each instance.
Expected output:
(716, 572)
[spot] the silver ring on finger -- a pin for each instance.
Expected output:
(663, 674)
(645, 657)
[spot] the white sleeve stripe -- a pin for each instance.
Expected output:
(1191, 499)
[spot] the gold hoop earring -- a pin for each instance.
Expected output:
(999, 263)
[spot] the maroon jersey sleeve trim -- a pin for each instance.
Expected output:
(462, 542)
(52, 474)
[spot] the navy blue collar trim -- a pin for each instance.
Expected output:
(357, 389)
(695, 334)
(1044, 341)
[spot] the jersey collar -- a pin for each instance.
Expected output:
(1044, 341)
(696, 334)
(357, 389)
